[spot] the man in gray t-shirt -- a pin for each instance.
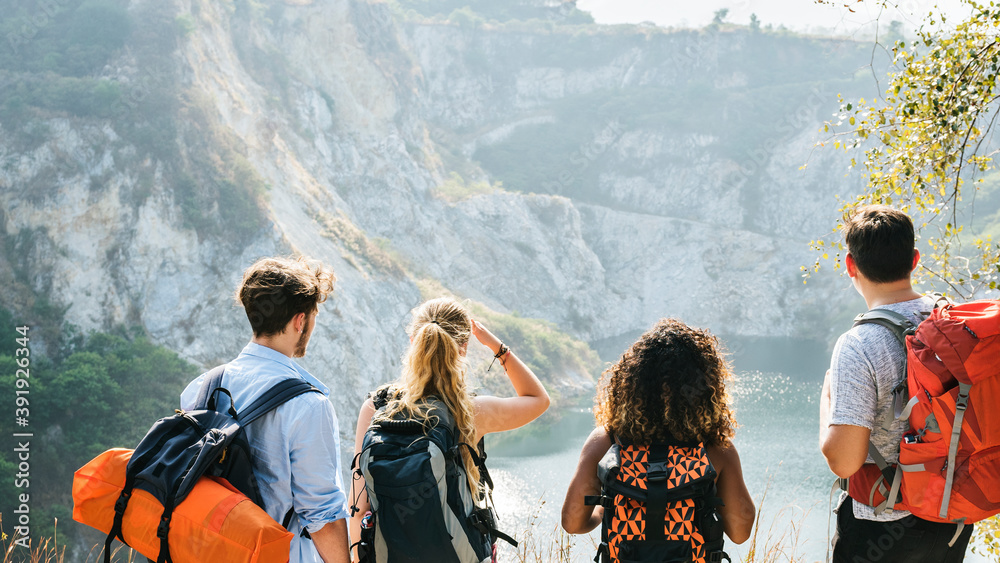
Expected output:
(868, 363)
(857, 401)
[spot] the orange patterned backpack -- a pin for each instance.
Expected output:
(660, 505)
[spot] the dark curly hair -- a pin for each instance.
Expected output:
(669, 383)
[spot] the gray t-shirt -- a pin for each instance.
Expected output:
(868, 362)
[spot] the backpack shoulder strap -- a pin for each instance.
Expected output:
(940, 300)
(275, 397)
(213, 380)
(895, 322)
(381, 396)
(658, 471)
(478, 455)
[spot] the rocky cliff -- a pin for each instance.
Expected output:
(660, 176)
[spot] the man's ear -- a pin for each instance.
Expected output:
(852, 266)
(916, 259)
(299, 323)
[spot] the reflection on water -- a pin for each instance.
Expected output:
(777, 441)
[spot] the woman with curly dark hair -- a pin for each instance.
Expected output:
(663, 448)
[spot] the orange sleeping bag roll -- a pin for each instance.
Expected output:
(214, 523)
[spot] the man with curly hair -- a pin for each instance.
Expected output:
(295, 447)
(868, 363)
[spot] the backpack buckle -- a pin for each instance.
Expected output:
(478, 522)
(122, 502)
(164, 528)
(657, 472)
(599, 500)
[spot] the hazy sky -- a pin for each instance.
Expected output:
(803, 15)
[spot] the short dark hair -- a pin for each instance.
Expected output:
(881, 241)
(274, 290)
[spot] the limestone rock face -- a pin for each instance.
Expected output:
(352, 123)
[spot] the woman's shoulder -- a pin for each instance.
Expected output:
(600, 439)
(723, 455)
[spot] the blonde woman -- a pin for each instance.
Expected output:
(432, 387)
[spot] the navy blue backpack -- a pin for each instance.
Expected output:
(180, 449)
(422, 506)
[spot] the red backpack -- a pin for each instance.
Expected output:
(949, 458)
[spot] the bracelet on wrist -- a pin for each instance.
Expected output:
(501, 352)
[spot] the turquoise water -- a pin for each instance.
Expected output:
(782, 465)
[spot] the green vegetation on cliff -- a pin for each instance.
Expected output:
(102, 391)
(107, 62)
(549, 352)
(53, 50)
(561, 361)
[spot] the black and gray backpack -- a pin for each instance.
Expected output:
(422, 506)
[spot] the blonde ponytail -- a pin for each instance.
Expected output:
(434, 366)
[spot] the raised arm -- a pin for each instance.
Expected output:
(496, 414)
(358, 493)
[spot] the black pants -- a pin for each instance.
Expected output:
(909, 540)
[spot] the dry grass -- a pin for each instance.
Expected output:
(44, 551)
(543, 545)
(779, 543)
(48, 550)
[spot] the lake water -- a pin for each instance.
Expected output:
(777, 441)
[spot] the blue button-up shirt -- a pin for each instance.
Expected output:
(296, 447)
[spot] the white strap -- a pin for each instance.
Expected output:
(956, 434)
(958, 532)
(896, 482)
(905, 415)
(880, 487)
